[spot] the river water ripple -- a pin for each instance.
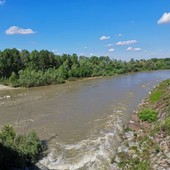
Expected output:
(80, 120)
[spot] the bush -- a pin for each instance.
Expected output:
(148, 115)
(13, 79)
(33, 78)
(18, 151)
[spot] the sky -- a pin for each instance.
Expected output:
(120, 29)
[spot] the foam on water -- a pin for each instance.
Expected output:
(5, 97)
(93, 153)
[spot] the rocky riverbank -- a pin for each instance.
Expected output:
(146, 140)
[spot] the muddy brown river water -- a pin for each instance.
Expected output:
(80, 120)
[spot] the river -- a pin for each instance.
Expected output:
(81, 120)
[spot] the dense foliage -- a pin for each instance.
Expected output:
(18, 151)
(37, 68)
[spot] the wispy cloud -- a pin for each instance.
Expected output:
(111, 50)
(17, 30)
(133, 49)
(109, 45)
(126, 42)
(104, 37)
(2, 2)
(164, 19)
(119, 35)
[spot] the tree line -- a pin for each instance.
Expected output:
(38, 68)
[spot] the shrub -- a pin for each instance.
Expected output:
(148, 115)
(13, 79)
(18, 151)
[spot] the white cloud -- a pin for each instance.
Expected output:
(2, 2)
(126, 42)
(104, 37)
(164, 19)
(111, 50)
(119, 35)
(109, 45)
(133, 49)
(17, 30)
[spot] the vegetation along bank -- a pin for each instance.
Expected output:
(39, 68)
(146, 140)
(18, 151)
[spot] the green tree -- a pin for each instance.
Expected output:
(25, 58)
(10, 61)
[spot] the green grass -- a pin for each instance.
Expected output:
(155, 96)
(148, 115)
(160, 91)
(143, 165)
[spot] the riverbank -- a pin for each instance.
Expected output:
(146, 140)
(3, 87)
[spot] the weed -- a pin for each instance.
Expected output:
(148, 115)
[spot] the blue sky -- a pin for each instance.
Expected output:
(121, 29)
